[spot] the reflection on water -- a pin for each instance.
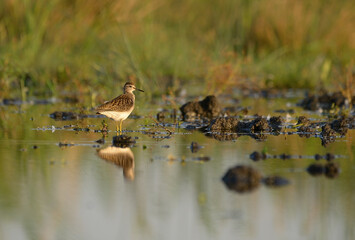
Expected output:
(122, 157)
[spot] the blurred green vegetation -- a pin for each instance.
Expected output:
(60, 46)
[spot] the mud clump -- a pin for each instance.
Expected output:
(328, 135)
(305, 129)
(275, 181)
(207, 108)
(260, 125)
(223, 124)
(257, 125)
(276, 123)
(242, 179)
(325, 101)
(340, 125)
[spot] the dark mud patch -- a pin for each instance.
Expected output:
(222, 128)
(207, 108)
(258, 125)
(223, 124)
(257, 156)
(328, 135)
(325, 101)
(244, 179)
(230, 128)
(123, 141)
(330, 170)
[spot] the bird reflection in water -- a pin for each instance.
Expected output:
(120, 156)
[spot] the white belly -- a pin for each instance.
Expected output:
(117, 116)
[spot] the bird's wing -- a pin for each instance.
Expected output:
(121, 103)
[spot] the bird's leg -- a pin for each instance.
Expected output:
(121, 126)
(117, 129)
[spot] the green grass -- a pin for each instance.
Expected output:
(54, 47)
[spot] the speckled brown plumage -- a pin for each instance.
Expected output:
(121, 103)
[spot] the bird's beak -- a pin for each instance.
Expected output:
(139, 89)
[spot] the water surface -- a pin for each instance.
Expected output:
(52, 192)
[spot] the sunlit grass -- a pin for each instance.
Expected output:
(50, 47)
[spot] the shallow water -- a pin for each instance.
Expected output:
(163, 191)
